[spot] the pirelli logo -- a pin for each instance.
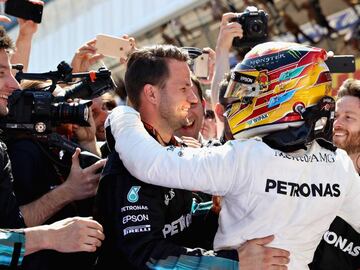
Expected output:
(137, 229)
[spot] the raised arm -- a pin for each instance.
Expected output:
(27, 29)
(228, 30)
(85, 57)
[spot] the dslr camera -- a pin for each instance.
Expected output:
(254, 23)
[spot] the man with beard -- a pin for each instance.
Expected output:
(148, 226)
(340, 247)
(347, 120)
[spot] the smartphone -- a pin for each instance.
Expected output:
(201, 66)
(341, 64)
(113, 46)
(24, 9)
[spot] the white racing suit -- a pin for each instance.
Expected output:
(294, 196)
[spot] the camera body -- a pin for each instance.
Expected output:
(38, 111)
(254, 23)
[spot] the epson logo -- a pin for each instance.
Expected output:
(135, 218)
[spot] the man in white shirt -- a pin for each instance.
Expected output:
(282, 176)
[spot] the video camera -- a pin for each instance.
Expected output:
(254, 23)
(34, 112)
(38, 111)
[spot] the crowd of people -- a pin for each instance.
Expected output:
(259, 172)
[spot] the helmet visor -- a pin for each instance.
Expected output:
(243, 85)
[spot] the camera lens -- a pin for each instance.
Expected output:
(256, 28)
(70, 113)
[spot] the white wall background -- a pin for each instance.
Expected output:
(67, 24)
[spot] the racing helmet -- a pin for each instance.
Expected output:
(273, 86)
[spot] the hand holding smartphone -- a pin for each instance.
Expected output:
(201, 66)
(113, 46)
(341, 64)
(25, 9)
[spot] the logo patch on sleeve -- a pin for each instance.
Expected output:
(132, 195)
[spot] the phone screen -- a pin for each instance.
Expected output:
(24, 9)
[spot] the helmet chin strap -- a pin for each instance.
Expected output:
(295, 138)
